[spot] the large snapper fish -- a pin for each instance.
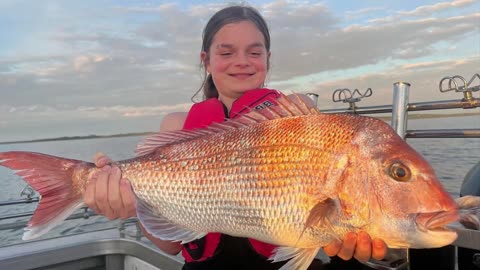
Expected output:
(287, 175)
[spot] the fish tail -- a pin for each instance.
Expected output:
(52, 178)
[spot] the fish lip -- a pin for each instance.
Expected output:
(436, 221)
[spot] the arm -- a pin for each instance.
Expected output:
(110, 195)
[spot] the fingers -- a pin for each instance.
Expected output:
(101, 160)
(379, 249)
(89, 194)
(128, 199)
(333, 248)
(108, 194)
(363, 249)
(360, 246)
(114, 199)
(102, 191)
(348, 246)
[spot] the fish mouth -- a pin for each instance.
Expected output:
(436, 221)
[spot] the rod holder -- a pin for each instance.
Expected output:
(313, 97)
(401, 91)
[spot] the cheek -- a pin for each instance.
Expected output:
(218, 65)
(260, 64)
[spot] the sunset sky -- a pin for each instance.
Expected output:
(103, 67)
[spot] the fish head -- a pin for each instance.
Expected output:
(403, 203)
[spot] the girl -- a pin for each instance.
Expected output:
(235, 54)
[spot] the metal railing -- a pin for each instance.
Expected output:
(401, 106)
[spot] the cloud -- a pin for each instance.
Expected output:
(433, 64)
(150, 9)
(40, 121)
(84, 63)
(428, 9)
(121, 65)
(362, 12)
(94, 112)
(151, 111)
(339, 48)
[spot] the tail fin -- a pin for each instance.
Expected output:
(51, 177)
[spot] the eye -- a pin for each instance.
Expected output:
(399, 172)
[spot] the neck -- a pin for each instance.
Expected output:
(227, 101)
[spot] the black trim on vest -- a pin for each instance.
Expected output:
(234, 253)
(196, 248)
(225, 111)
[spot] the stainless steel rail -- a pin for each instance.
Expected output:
(401, 106)
(21, 224)
(22, 201)
(420, 106)
(444, 133)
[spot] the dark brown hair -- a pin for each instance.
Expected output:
(225, 16)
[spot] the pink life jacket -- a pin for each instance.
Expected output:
(202, 115)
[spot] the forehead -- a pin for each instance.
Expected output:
(243, 33)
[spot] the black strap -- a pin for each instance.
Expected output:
(225, 111)
(234, 253)
(196, 248)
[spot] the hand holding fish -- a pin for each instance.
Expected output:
(107, 193)
(360, 246)
(469, 210)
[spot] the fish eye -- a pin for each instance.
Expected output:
(400, 172)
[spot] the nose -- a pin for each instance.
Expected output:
(241, 60)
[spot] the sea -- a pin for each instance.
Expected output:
(450, 158)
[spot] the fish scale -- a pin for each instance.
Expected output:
(262, 156)
(260, 185)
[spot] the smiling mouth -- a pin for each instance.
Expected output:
(242, 75)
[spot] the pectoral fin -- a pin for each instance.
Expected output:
(322, 214)
(300, 258)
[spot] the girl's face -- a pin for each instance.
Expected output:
(237, 59)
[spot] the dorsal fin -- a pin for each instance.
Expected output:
(287, 106)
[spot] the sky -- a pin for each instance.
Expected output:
(72, 68)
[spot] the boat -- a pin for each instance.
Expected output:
(124, 246)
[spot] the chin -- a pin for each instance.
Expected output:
(242, 90)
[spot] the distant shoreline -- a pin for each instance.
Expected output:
(65, 138)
